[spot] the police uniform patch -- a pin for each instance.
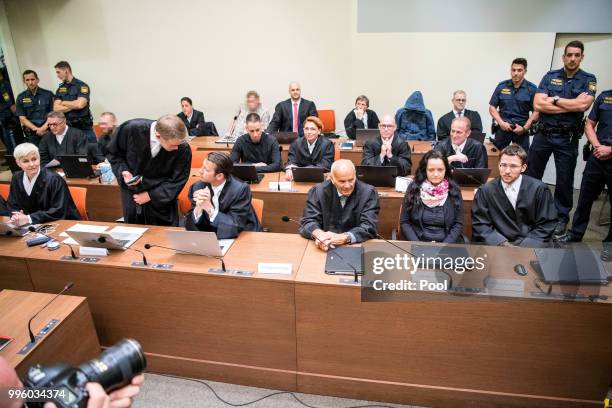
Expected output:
(506, 91)
(593, 86)
(26, 100)
(556, 81)
(6, 97)
(608, 100)
(62, 89)
(84, 89)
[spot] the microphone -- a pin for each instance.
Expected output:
(280, 149)
(474, 179)
(395, 245)
(332, 250)
(220, 258)
(72, 254)
(66, 288)
(102, 240)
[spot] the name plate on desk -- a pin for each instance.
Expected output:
(86, 259)
(274, 268)
(280, 186)
(153, 266)
(42, 333)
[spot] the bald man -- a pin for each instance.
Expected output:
(289, 115)
(342, 210)
(388, 149)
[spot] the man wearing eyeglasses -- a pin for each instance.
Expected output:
(387, 150)
(459, 101)
(61, 139)
(514, 209)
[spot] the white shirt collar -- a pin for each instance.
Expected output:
(515, 186)
(460, 147)
(28, 185)
(456, 112)
(189, 117)
(217, 190)
(61, 136)
(153, 142)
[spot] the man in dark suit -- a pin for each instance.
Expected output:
(193, 119)
(514, 209)
(387, 150)
(62, 139)
(289, 115)
(460, 150)
(220, 203)
(444, 123)
(340, 211)
(362, 117)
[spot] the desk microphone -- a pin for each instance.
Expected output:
(220, 258)
(474, 179)
(31, 228)
(102, 240)
(280, 149)
(32, 338)
(332, 250)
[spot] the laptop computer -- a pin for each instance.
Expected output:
(362, 136)
(477, 135)
(378, 176)
(198, 242)
(285, 137)
(308, 174)
(344, 261)
(247, 172)
(76, 166)
(10, 230)
(12, 163)
(471, 177)
(101, 239)
(575, 265)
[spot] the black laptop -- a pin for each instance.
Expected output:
(75, 165)
(377, 176)
(471, 177)
(308, 174)
(344, 261)
(477, 135)
(285, 137)
(12, 163)
(362, 136)
(575, 265)
(247, 173)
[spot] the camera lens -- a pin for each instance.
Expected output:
(117, 365)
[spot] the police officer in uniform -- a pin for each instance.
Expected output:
(514, 98)
(72, 98)
(33, 105)
(597, 172)
(10, 131)
(562, 98)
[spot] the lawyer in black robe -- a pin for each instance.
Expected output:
(445, 121)
(235, 213)
(473, 149)
(74, 142)
(50, 199)
(531, 224)
(4, 211)
(400, 152)
(322, 154)
(323, 210)
(163, 176)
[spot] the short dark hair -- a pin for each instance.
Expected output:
(187, 99)
(253, 118)
(520, 61)
(574, 44)
(28, 72)
(63, 65)
(515, 150)
(222, 161)
(363, 98)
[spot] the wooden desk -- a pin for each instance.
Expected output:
(442, 350)
(292, 204)
(207, 144)
(190, 322)
(72, 341)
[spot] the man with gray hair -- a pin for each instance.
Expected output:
(459, 100)
(151, 161)
(342, 210)
(460, 150)
(289, 115)
(61, 139)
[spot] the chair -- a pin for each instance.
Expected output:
(97, 129)
(5, 189)
(79, 196)
(197, 158)
(328, 117)
(258, 206)
(336, 152)
(183, 197)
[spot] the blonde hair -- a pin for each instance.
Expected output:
(24, 150)
(171, 127)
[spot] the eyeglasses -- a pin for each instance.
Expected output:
(387, 126)
(55, 124)
(505, 166)
(460, 100)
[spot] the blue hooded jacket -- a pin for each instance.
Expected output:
(414, 120)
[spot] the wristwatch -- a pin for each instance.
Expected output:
(555, 100)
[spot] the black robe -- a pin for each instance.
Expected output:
(163, 176)
(401, 155)
(473, 149)
(532, 224)
(4, 211)
(197, 124)
(236, 214)
(74, 142)
(322, 154)
(323, 210)
(96, 152)
(445, 122)
(50, 199)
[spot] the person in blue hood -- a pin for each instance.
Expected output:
(414, 120)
